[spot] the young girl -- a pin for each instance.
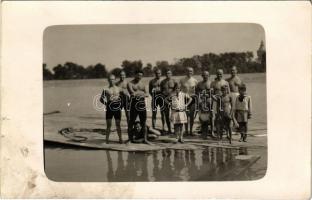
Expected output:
(242, 111)
(179, 102)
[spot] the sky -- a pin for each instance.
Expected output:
(111, 44)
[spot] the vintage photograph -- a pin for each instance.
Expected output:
(155, 102)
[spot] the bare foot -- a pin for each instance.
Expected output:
(147, 142)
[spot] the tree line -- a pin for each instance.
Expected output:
(245, 62)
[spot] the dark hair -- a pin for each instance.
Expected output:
(176, 85)
(110, 75)
(139, 71)
(242, 87)
(156, 69)
(122, 71)
(168, 69)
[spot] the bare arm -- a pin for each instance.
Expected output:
(189, 99)
(197, 89)
(103, 97)
(232, 106)
(228, 87)
(150, 88)
(233, 114)
(167, 99)
(130, 89)
(249, 107)
(145, 90)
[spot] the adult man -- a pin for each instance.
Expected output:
(188, 85)
(111, 98)
(137, 91)
(219, 82)
(205, 84)
(234, 82)
(166, 88)
(125, 96)
(157, 100)
(206, 117)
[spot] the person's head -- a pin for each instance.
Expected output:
(122, 75)
(189, 71)
(219, 74)
(157, 72)
(242, 89)
(137, 126)
(224, 89)
(168, 73)
(177, 87)
(233, 71)
(111, 79)
(205, 75)
(138, 75)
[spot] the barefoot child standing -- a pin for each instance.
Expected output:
(242, 111)
(179, 102)
(224, 113)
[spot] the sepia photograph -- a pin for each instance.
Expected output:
(155, 99)
(155, 102)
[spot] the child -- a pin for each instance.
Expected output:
(205, 113)
(224, 113)
(139, 136)
(179, 102)
(242, 111)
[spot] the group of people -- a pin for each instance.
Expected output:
(220, 105)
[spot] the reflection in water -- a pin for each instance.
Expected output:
(175, 165)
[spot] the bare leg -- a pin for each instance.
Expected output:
(192, 115)
(145, 136)
(127, 115)
(162, 119)
(108, 129)
(133, 115)
(154, 114)
(213, 125)
(177, 131)
(230, 134)
(245, 137)
(126, 107)
(167, 113)
(204, 126)
(118, 127)
(186, 126)
(181, 133)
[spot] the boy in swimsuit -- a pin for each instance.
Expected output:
(224, 114)
(242, 112)
(111, 98)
